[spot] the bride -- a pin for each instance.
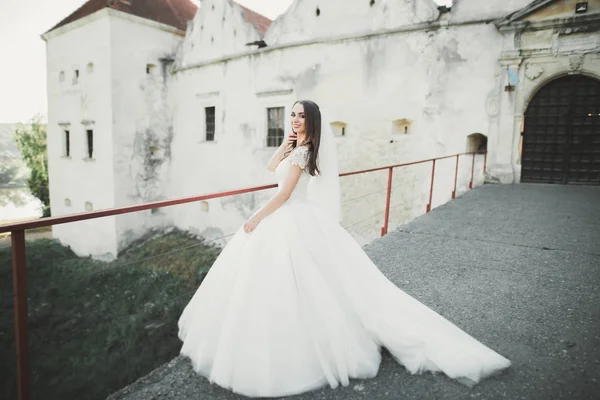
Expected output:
(293, 303)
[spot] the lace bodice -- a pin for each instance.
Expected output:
(298, 156)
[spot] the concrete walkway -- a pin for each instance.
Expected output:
(516, 266)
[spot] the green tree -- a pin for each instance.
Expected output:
(31, 140)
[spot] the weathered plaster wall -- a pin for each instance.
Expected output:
(313, 19)
(142, 119)
(472, 10)
(218, 29)
(77, 180)
(366, 84)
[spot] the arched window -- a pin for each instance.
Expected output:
(476, 142)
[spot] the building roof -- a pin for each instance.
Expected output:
(259, 21)
(175, 13)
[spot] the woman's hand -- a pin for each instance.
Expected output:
(251, 224)
(292, 137)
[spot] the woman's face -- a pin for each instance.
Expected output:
(298, 119)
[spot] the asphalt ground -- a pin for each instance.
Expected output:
(516, 266)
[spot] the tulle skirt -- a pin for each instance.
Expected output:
(297, 304)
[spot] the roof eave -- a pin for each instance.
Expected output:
(517, 15)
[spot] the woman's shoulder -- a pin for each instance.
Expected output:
(302, 149)
(299, 156)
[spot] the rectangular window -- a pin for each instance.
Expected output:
(90, 143)
(209, 113)
(275, 129)
(67, 144)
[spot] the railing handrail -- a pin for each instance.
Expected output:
(362, 171)
(125, 210)
(43, 222)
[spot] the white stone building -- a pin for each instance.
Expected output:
(175, 109)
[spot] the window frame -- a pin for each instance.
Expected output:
(280, 118)
(67, 143)
(210, 136)
(89, 148)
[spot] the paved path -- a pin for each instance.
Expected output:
(516, 266)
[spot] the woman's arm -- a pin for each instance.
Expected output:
(276, 157)
(276, 201)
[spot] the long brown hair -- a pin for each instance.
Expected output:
(312, 117)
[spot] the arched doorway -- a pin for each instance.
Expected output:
(561, 135)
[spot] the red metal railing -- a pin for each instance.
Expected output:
(17, 231)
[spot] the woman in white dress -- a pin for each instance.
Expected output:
(293, 303)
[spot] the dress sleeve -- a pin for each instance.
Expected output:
(299, 157)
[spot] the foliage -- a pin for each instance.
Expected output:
(96, 327)
(9, 173)
(31, 140)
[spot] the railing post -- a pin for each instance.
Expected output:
(455, 177)
(485, 162)
(387, 203)
(20, 303)
(431, 188)
(472, 171)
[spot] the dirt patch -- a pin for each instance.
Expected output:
(5, 241)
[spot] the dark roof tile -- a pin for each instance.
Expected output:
(175, 13)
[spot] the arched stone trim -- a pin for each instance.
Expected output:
(531, 92)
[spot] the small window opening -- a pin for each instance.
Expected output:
(155, 211)
(338, 128)
(476, 143)
(401, 126)
(68, 202)
(372, 3)
(61, 76)
(76, 77)
(581, 8)
(234, 32)
(212, 39)
(90, 143)
(89, 206)
(209, 116)
(318, 12)
(67, 144)
(90, 68)
(150, 68)
(204, 207)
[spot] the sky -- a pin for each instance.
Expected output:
(23, 66)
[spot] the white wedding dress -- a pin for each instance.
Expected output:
(297, 304)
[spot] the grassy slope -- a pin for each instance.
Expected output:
(94, 326)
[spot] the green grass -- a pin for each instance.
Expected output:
(95, 327)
